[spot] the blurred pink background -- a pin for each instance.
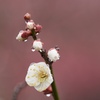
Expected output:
(73, 25)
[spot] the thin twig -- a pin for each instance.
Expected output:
(18, 89)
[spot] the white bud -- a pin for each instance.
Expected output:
(37, 45)
(53, 55)
(19, 36)
(30, 25)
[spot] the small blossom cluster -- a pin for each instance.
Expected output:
(39, 74)
(30, 26)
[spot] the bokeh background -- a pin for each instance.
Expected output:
(73, 25)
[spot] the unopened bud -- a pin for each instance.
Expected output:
(26, 34)
(37, 45)
(53, 54)
(48, 90)
(30, 25)
(57, 48)
(38, 28)
(19, 36)
(27, 17)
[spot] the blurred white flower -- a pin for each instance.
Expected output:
(53, 55)
(30, 25)
(39, 76)
(19, 36)
(37, 45)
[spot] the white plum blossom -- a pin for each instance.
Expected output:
(30, 25)
(19, 36)
(37, 45)
(53, 55)
(39, 76)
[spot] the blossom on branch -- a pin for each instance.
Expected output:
(20, 37)
(37, 45)
(23, 35)
(39, 76)
(27, 17)
(30, 25)
(53, 55)
(38, 28)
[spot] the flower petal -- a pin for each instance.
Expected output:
(31, 80)
(43, 86)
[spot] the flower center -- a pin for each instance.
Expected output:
(42, 76)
